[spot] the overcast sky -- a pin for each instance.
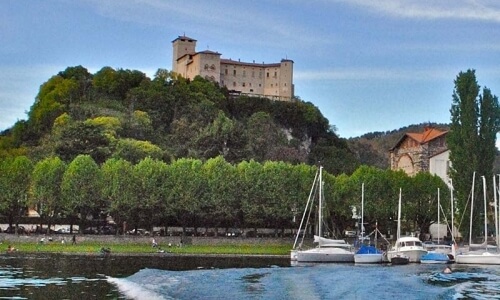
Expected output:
(369, 65)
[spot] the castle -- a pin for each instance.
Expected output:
(273, 81)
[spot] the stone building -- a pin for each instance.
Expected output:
(273, 80)
(422, 152)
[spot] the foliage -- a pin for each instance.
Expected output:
(474, 125)
(45, 189)
(15, 177)
(81, 192)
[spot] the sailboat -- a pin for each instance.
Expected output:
(437, 253)
(408, 247)
(366, 253)
(327, 250)
(481, 256)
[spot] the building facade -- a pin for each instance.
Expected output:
(422, 152)
(274, 80)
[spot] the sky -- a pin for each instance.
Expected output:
(368, 65)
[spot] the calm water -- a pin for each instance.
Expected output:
(168, 277)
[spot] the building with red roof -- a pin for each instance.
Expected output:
(422, 152)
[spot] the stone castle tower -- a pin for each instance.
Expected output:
(274, 80)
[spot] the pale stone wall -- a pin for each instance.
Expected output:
(273, 80)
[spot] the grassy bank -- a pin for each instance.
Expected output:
(91, 247)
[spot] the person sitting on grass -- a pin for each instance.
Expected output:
(11, 249)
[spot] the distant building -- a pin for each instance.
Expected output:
(422, 152)
(274, 80)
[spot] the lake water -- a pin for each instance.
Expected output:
(36, 276)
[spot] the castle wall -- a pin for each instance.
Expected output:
(273, 80)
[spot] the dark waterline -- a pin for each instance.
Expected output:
(57, 276)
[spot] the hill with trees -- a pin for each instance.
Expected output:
(372, 148)
(124, 114)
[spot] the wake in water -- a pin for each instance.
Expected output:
(476, 284)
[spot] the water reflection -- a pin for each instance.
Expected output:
(55, 276)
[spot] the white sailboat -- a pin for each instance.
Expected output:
(409, 247)
(367, 254)
(437, 253)
(327, 250)
(482, 256)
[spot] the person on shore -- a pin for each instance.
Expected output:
(154, 244)
(11, 249)
(73, 240)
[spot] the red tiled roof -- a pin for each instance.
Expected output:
(428, 135)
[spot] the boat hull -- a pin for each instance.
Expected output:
(479, 259)
(435, 258)
(368, 258)
(414, 255)
(400, 260)
(325, 255)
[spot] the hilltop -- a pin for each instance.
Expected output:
(125, 114)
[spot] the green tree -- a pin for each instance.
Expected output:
(222, 205)
(134, 150)
(471, 140)
(82, 138)
(15, 180)
(150, 178)
(45, 192)
(118, 190)
(81, 190)
(186, 186)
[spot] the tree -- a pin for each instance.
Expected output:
(45, 192)
(472, 137)
(15, 176)
(221, 205)
(185, 189)
(83, 138)
(81, 191)
(118, 189)
(150, 177)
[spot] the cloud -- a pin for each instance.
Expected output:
(480, 10)
(374, 74)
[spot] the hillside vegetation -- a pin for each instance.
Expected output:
(124, 114)
(372, 148)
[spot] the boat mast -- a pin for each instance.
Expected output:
(305, 211)
(362, 211)
(439, 224)
(320, 210)
(472, 207)
(495, 199)
(399, 219)
(452, 213)
(485, 215)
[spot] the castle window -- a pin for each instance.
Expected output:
(225, 71)
(260, 74)
(234, 72)
(271, 85)
(251, 90)
(244, 73)
(243, 84)
(267, 75)
(212, 67)
(206, 66)
(275, 74)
